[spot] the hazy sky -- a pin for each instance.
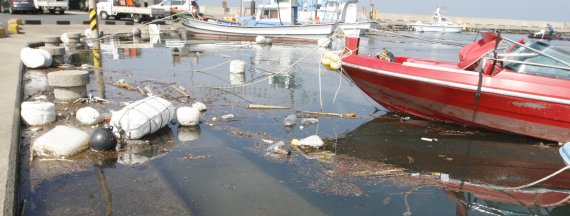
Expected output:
(545, 10)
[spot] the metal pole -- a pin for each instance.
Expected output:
(96, 51)
(93, 19)
(241, 8)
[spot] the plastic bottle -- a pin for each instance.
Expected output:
(290, 120)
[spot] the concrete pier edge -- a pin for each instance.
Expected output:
(12, 70)
(13, 160)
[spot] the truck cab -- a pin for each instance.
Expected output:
(167, 5)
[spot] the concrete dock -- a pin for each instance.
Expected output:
(11, 88)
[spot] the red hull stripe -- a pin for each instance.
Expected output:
(461, 86)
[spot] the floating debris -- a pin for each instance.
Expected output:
(196, 157)
(259, 106)
(338, 115)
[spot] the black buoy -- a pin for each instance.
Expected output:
(103, 139)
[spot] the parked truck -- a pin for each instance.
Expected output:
(128, 9)
(52, 6)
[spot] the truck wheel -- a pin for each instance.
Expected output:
(137, 18)
(61, 11)
(52, 11)
(104, 15)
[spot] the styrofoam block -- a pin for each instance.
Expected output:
(61, 141)
(37, 112)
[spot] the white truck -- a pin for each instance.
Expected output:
(178, 5)
(52, 6)
(108, 8)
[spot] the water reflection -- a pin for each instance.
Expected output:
(137, 152)
(473, 167)
(186, 134)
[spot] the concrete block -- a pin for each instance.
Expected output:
(54, 51)
(69, 94)
(52, 40)
(15, 21)
(74, 35)
(14, 28)
(68, 78)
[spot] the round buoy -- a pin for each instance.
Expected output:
(260, 39)
(103, 139)
(137, 31)
(334, 65)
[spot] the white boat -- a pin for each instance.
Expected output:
(440, 24)
(345, 12)
(219, 27)
(276, 19)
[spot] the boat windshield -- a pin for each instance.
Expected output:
(524, 60)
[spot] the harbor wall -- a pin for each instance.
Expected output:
(403, 19)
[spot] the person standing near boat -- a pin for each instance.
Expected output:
(195, 9)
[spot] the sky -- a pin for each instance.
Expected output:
(542, 10)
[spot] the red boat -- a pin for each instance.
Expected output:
(524, 89)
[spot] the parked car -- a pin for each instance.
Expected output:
(14, 6)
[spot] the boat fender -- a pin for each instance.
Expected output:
(386, 55)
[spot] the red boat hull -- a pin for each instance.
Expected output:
(508, 101)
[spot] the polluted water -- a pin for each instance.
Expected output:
(231, 160)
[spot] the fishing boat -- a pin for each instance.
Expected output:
(439, 23)
(344, 12)
(545, 36)
(276, 20)
(520, 88)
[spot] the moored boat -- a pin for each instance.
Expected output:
(524, 90)
(439, 24)
(275, 20)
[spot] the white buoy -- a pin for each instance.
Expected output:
(188, 116)
(88, 116)
(64, 38)
(199, 106)
(237, 66)
(260, 39)
(35, 58)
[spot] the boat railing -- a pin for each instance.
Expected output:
(538, 51)
(529, 63)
